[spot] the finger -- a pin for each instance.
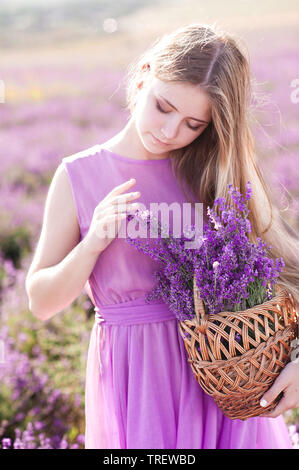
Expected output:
(273, 392)
(121, 187)
(113, 223)
(119, 208)
(105, 228)
(280, 408)
(132, 208)
(110, 218)
(125, 197)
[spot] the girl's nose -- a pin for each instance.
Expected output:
(169, 131)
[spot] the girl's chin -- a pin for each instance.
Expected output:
(158, 142)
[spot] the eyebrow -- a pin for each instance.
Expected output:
(189, 117)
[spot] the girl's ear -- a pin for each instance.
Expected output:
(145, 67)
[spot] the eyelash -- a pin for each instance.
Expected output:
(162, 111)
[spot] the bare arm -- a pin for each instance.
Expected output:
(52, 289)
(62, 264)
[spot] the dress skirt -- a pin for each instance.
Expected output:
(141, 392)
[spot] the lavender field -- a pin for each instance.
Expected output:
(55, 109)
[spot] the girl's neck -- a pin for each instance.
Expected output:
(128, 144)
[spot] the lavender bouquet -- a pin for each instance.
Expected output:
(231, 272)
(239, 307)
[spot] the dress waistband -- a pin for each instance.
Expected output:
(133, 313)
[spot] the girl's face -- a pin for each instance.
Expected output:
(173, 112)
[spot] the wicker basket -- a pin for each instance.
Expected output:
(237, 370)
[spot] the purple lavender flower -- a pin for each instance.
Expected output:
(227, 265)
(6, 443)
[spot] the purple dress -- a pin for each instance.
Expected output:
(140, 390)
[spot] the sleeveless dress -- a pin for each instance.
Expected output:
(140, 390)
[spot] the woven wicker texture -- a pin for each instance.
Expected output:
(236, 356)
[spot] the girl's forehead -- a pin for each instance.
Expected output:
(182, 95)
(177, 87)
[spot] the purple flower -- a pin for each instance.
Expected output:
(6, 443)
(227, 265)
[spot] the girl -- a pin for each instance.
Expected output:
(187, 138)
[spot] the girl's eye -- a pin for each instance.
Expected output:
(159, 107)
(163, 111)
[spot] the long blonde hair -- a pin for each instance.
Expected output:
(224, 153)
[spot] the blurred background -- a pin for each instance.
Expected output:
(62, 65)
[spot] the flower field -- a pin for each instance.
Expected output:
(49, 112)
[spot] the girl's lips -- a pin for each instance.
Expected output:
(159, 141)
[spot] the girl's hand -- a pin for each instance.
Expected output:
(288, 383)
(108, 214)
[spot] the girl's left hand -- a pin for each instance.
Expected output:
(288, 383)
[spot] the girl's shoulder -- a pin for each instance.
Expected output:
(86, 153)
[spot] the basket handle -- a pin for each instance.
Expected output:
(200, 313)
